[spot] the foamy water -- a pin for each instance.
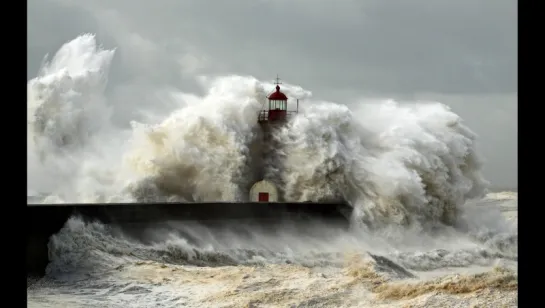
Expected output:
(411, 172)
(95, 266)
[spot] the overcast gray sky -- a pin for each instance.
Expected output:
(462, 53)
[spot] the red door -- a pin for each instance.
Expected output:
(263, 197)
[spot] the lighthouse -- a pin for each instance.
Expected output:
(273, 117)
(277, 111)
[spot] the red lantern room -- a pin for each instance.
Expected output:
(278, 106)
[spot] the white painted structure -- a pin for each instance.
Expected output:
(263, 187)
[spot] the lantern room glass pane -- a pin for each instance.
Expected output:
(278, 104)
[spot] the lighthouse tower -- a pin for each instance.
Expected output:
(272, 117)
(277, 111)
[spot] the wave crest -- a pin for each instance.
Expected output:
(396, 163)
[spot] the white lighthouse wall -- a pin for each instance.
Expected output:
(266, 187)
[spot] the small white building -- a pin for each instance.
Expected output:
(263, 191)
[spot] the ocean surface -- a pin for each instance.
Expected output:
(426, 230)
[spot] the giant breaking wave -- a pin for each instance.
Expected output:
(396, 163)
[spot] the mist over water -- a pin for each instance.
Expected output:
(407, 168)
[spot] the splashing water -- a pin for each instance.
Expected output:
(395, 163)
(402, 166)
